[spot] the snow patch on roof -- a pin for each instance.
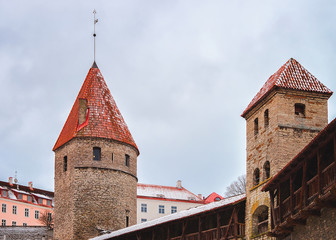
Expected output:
(171, 217)
(157, 191)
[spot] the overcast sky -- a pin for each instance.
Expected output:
(181, 73)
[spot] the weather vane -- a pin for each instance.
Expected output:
(94, 34)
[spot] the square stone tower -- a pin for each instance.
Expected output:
(95, 166)
(285, 115)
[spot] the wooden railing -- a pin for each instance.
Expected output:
(211, 234)
(263, 227)
(301, 200)
(328, 176)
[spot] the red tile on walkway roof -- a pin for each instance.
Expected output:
(104, 118)
(291, 75)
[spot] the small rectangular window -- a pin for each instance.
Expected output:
(14, 209)
(29, 199)
(20, 196)
(256, 126)
(65, 163)
(3, 222)
(127, 160)
(300, 109)
(143, 207)
(173, 209)
(26, 212)
(161, 209)
(13, 223)
(4, 208)
(127, 221)
(24, 224)
(112, 157)
(40, 201)
(143, 220)
(37, 214)
(4, 193)
(49, 202)
(266, 118)
(96, 153)
(49, 216)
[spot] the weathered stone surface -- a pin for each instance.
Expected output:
(283, 138)
(93, 195)
(25, 233)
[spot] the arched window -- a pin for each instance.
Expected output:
(300, 109)
(96, 153)
(267, 170)
(256, 176)
(260, 220)
(266, 118)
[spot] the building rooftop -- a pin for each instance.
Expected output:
(292, 75)
(168, 218)
(103, 118)
(166, 192)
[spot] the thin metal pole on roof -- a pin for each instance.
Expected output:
(94, 34)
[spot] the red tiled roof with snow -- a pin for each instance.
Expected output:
(166, 192)
(291, 75)
(104, 119)
(213, 197)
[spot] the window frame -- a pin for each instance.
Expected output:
(14, 209)
(127, 160)
(161, 209)
(96, 151)
(144, 207)
(173, 209)
(26, 213)
(4, 208)
(37, 214)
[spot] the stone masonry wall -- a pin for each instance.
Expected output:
(25, 233)
(317, 228)
(93, 195)
(285, 136)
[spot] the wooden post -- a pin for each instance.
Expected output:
(291, 194)
(273, 221)
(319, 171)
(168, 232)
(153, 234)
(304, 185)
(184, 226)
(280, 203)
(199, 228)
(218, 225)
(235, 220)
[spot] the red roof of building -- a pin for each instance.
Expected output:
(104, 119)
(213, 197)
(291, 75)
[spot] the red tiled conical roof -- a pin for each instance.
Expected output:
(104, 119)
(291, 75)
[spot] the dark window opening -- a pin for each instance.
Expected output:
(267, 170)
(112, 157)
(300, 109)
(256, 177)
(127, 160)
(266, 118)
(65, 163)
(96, 153)
(256, 127)
(127, 221)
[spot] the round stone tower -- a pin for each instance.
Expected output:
(95, 166)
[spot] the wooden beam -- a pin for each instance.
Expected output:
(279, 203)
(230, 222)
(218, 225)
(138, 237)
(319, 173)
(184, 227)
(199, 228)
(273, 220)
(235, 228)
(303, 200)
(291, 189)
(168, 231)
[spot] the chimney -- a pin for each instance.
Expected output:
(179, 184)
(30, 185)
(82, 111)
(10, 181)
